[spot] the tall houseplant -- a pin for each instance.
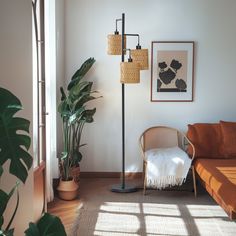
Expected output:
(75, 115)
(14, 145)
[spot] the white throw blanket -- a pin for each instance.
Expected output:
(166, 167)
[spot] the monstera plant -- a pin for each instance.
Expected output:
(74, 114)
(13, 142)
(14, 145)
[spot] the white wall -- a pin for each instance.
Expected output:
(16, 76)
(210, 23)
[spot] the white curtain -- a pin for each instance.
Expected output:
(51, 103)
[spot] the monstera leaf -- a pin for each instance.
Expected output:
(1, 171)
(48, 225)
(14, 143)
(4, 199)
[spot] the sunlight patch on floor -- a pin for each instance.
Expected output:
(117, 223)
(165, 225)
(108, 233)
(203, 211)
(124, 207)
(160, 209)
(151, 219)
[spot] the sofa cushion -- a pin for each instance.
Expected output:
(219, 177)
(228, 130)
(207, 140)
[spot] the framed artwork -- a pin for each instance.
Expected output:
(172, 67)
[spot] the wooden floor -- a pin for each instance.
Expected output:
(66, 210)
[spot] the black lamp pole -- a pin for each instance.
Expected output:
(123, 187)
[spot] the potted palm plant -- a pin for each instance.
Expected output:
(75, 115)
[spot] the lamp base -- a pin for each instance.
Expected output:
(118, 188)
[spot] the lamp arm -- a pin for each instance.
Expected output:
(136, 35)
(117, 32)
(132, 35)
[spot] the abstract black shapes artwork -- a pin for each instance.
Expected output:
(167, 76)
(181, 85)
(175, 65)
(169, 73)
(162, 66)
(172, 71)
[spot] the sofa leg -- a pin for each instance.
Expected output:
(194, 182)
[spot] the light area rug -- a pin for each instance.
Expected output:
(104, 213)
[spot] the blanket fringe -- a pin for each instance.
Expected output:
(164, 182)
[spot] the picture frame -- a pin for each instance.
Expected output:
(172, 71)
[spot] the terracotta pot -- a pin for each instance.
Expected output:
(75, 173)
(67, 190)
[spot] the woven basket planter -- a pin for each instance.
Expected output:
(129, 72)
(115, 44)
(140, 56)
(67, 190)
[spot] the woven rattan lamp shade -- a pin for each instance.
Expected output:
(140, 56)
(115, 44)
(129, 72)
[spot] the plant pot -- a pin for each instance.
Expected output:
(67, 190)
(75, 173)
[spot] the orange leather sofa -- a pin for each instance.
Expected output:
(215, 161)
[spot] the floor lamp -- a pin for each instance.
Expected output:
(130, 73)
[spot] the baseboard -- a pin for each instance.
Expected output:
(128, 175)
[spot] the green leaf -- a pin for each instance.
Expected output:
(88, 115)
(4, 199)
(80, 89)
(64, 109)
(81, 145)
(32, 230)
(13, 143)
(63, 95)
(48, 225)
(77, 156)
(16, 207)
(63, 155)
(76, 116)
(1, 222)
(9, 232)
(1, 171)
(74, 82)
(79, 74)
(82, 100)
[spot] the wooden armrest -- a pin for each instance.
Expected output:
(141, 147)
(189, 143)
